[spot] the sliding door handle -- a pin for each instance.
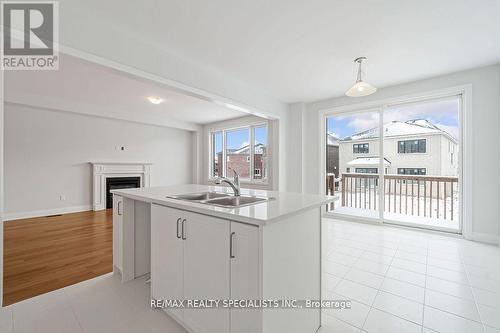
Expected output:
(178, 222)
(231, 245)
(184, 229)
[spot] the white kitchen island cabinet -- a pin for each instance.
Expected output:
(167, 246)
(267, 251)
(197, 266)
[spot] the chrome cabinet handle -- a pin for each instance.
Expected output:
(118, 208)
(231, 246)
(178, 221)
(183, 230)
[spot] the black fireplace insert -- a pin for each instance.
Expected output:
(115, 183)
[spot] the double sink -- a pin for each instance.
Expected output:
(220, 199)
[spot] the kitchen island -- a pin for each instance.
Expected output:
(198, 249)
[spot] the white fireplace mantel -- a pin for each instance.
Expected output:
(103, 170)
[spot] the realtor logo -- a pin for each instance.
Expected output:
(30, 35)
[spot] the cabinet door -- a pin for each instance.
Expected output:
(206, 271)
(117, 232)
(245, 276)
(166, 255)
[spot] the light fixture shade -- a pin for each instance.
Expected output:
(361, 88)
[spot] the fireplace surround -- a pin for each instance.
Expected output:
(103, 170)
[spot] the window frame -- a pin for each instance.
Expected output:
(357, 146)
(412, 174)
(410, 152)
(251, 128)
(362, 170)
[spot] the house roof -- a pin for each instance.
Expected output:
(259, 147)
(332, 139)
(399, 128)
(361, 161)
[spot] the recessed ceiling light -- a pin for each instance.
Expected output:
(155, 100)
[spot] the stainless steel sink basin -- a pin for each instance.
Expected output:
(236, 201)
(220, 199)
(203, 196)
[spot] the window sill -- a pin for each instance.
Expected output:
(246, 182)
(249, 184)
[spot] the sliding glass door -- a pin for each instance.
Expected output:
(352, 162)
(422, 146)
(398, 164)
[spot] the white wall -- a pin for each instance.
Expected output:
(485, 124)
(294, 150)
(47, 154)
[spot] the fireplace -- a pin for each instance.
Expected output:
(115, 170)
(115, 183)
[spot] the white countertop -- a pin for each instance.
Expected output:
(283, 203)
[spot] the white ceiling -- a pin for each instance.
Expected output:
(299, 50)
(79, 86)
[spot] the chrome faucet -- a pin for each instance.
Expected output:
(235, 183)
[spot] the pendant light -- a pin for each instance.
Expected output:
(360, 88)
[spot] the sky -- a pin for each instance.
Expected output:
(444, 114)
(239, 138)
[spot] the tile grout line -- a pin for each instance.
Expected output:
(12, 317)
(435, 277)
(378, 290)
(466, 284)
(473, 295)
(397, 316)
(425, 289)
(73, 310)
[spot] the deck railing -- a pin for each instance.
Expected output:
(425, 196)
(331, 184)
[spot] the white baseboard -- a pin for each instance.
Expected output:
(46, 212)
(484, 238)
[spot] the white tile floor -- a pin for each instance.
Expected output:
(398, 281)
(102, 304)
(403, 280)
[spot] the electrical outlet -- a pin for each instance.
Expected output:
(62, 197)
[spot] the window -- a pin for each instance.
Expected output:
(412, 146)
(238, 152)
(412, 171)
(360, 148)
(260, 152)
(216, 154)
(348, 170)
(242, 150)
(366, 170)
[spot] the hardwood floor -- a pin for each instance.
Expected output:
(48, 253)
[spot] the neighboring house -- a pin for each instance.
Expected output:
(332, 154)
(239, 160)
(415, 147)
